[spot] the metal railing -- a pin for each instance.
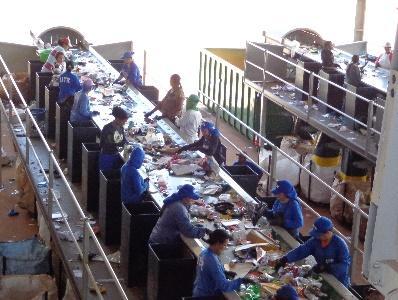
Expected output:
(371, 104)
(88, 233)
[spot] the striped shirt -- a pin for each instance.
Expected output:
(51, 60)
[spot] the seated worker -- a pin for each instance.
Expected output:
(190, 120)
(174, 218)
(130, 71)
(353, 72)
(384, 60)
(69, 85)
(327, 56)
(286, 292)
(242, 161)
(81, 112)
(112, 137)
(63, 46)
(210, 278)
(329, 250)
(172, 103)
(133, 186)
(209, 144)
(286, 211)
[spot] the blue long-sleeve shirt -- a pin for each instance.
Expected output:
(210, 278)
(291, 212)
(133, 185)
(132, 74)
(81, 108)
(335, 255)
(69, 85)
(251, 165)
(174, 220)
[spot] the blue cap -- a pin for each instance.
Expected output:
(287, 292)
(321, 226)
(283, 186)
(127, 54)
(188, 191)
(207, 125)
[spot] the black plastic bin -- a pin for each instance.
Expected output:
(138, 221)
(76, 136)
(50, 99)
(90, 176)
(245, 177)
(150, 92)
(61, 130)
(110, 206)
(329, 93)
(33, 67)
(302, 79)
(355, 107)
(42, 80)
(171, 272)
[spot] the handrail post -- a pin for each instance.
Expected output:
(310, 94)
(356, 222)
(272, 171)
(50, 183)
(27, 133)
(369, 125)
(86, 249)
(217, 114)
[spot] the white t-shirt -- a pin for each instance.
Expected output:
(189, 124)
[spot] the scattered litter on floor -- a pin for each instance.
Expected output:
(13, 213)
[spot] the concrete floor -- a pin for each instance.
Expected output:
(19, 227)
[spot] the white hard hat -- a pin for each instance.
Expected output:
(387, 45)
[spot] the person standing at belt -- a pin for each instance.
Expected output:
(286, 211)
(209, 144)
(190, 120)
(113, 137)
(211, 279)
(174, 218)
(384, 60)
(172, 104)
(329, 250)
(69, 85)
(133, 186)
(63, 46)
(130, 71)
(81, 112)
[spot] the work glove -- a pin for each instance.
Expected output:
(146, 115)
(158, 118)
(247, 281)
(95, 113)
(229, 275)
(146, 179)
(117, 81)
(280, 263)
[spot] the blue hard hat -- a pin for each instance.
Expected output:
(287, 292)
(188, 191)
(127, 54)
(207, 125)
(321, 226)
(282, 186)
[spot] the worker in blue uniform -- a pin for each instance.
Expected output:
(81, 112)
(242, 161)
(130, 71)
(174, 218)
(286, 292)
(209, 144)
(286, 211)
(210, 278)
(113, 137)
(69, 85)
(329, 250)
(133, 186)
